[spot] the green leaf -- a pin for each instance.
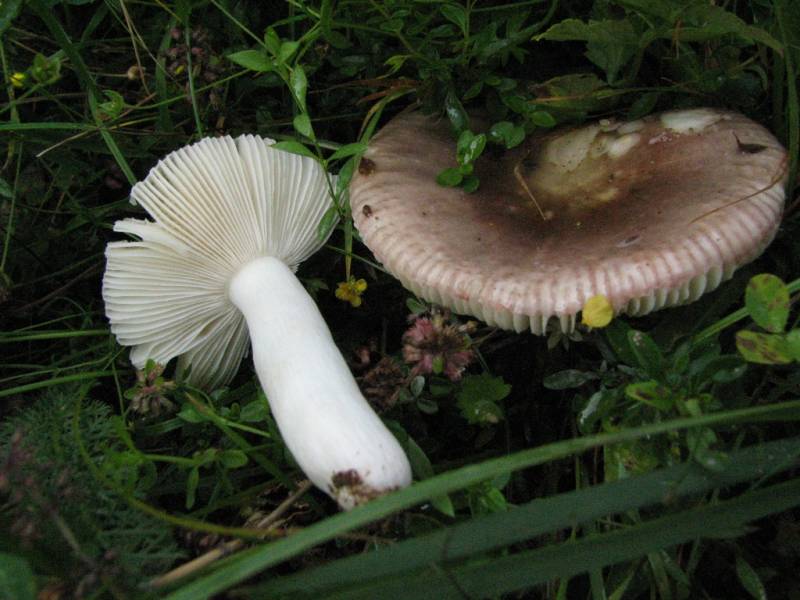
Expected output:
(456, 14)
(255, 60)
(650, 392)
(470, 183)
(449, 177)
(299, 85)
(294, 148)
(479, 396)
(16, 578)
(189, 414)
(254, 412)
(610, 43)
(302, 124)
(470, 146)
(6, 190)
(767, 301)
(192, 481)
(348, 150)
(506, 133)
(703, 21)
(750, 579)
(336, 39)
(542, 118)
(455, 112)
(793, 343)
(233, 459)
(567, 379)
(647, 353)
(287, 50)
(9, 9)
(327, 223)
(763, 348)
(422, 468)
(111, 108)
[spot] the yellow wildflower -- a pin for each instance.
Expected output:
(597, 312)
(18, 79)
(351, 290)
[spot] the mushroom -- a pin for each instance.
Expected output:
(648, 213)
(233, 219)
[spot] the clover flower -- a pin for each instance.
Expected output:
(435, 346)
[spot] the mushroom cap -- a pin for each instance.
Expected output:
(217, 204)
(648, 213)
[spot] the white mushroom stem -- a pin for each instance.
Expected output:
(330, 429)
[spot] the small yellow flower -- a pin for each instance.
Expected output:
(597, 312)
(18, 79)
(351, 290)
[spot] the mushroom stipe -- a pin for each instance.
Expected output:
(649, 214)
(233, 219)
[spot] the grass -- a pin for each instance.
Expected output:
(566, 485)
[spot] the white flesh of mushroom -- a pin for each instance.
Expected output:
(233, 219)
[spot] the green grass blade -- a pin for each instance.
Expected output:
(254, 560)
(540, 517)
(503, 574)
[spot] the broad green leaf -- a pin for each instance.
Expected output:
(294, 148)
(348, 150)
(255, 60)
(750, 579)
(287, 50)
(336, 39)
(456, 14)
(793, 343)
(299, 85)
(703, 21)
(470, 183)
(767, 300)
(192, 481)
(479, 396)
(9, 9)
(422, 468)
(232, 458)
(455, 112)
(302, 124)
(763, 348)
(647, 353)
(567, 379)
(327, 223)
(507, 134)
(470, 146)
(272, 41)
(254, 412)
(542, 118)
(650, 392)
(449, 177)
(610, 43)
(5, 189)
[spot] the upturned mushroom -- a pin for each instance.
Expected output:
(232, 221)
(648, 213)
